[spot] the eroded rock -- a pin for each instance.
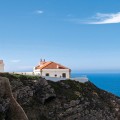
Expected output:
(8, 103)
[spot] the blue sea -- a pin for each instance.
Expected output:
(106, 81)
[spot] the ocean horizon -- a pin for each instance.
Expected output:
(109, 82)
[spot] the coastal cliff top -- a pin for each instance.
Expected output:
(63, 100)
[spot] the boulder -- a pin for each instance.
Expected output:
(8, 103)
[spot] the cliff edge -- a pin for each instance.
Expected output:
(62, 100)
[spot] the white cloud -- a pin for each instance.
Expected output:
(101, 18)
(15, 61)
(39, 11)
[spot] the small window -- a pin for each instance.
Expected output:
(47, 74)
(55, 75)
(64, 75)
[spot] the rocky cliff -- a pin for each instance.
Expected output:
(39, 99)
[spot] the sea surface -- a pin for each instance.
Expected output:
(106, 81)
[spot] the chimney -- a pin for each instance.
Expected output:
(42, 62)
(57, 66)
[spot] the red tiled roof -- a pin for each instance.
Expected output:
(44, 65)
(51, 65)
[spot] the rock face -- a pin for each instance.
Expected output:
(43, 91)
(63, 100)
(8, 103)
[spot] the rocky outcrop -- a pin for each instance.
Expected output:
(43, 91)
(63, 100)
(8, 103)
(27, 91)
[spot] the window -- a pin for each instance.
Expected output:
(64, 75)
(47, 74)
(55, 75)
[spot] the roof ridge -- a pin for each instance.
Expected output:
(62, 65)
(46, 64)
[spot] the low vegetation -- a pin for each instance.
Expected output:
(19, 77)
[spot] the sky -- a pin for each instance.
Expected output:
(83, 35)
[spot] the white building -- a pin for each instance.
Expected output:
(52, 69)
(1, 66)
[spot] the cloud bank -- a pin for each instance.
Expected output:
(101, 18)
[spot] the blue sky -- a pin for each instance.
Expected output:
(81, 34)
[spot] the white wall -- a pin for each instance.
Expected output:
(52, 72)
(58, 72)
(23, 73)
(1, 67)
(36, 71)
